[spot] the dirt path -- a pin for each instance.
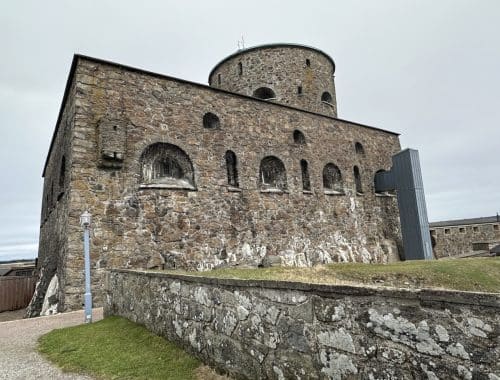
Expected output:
(18, 357)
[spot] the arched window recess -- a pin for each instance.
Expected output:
(332, 180)
(166, 166)
(272, 175)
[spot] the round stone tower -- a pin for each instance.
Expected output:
(295, 75)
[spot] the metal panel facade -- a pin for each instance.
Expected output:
(412, 207)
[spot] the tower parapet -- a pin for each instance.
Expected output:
(295, 75)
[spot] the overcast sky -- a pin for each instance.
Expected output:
(429, 70)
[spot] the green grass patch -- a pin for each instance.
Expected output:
(116, 348)
(475, 274)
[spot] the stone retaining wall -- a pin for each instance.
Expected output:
(285, 330)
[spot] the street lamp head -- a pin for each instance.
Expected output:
(85, 219)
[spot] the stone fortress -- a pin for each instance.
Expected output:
(466, 237)
(254, 168)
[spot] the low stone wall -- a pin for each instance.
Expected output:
(285, 330)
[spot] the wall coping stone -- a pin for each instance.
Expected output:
(425, 296)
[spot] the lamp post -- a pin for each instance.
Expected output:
(85, 220)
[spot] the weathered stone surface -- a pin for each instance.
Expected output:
(463, 239)
(283, 69)
(111, 118)
(253, 330)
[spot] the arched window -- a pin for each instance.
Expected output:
(332, 179)
(357, 180)
(375, 181)
(211, 121)
(232, 168)
(240, 68)
(272, 174)
(306, 182)
(264, 93)
(358, 147)
(326, 97)
(62, 173)
(298, 137)
(166, 165)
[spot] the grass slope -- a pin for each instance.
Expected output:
(116, 348)
(477, 274)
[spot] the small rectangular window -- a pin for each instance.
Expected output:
(462, 230)
(447, 231)
(475, 229)
(299, 90)
(219, 79)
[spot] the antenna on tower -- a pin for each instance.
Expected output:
(241, 43)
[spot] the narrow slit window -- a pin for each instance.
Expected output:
(299, 90)
(357, 180)
(232, 168)
(219, 79)
(240, 68)
(308, 62)
(306, 182)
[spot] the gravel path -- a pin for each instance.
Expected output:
(18, 356)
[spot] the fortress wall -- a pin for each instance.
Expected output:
(281, 330)
(458, 240)
(53, 240)
(215, 225)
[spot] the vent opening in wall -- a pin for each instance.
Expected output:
(272, 174)
(298, 137)
(332, 179)
(240, 68)
(165, 165)
(211, 121)
(264, 93)
(357, 180)
(306, 182)
(232, 168)
(326, 97)
(358, 147)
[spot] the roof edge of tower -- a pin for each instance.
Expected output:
(265, 46)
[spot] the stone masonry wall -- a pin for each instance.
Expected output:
(458, 240)
(52, 245)
(119, 112)
(283, 69)
(282, 330)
